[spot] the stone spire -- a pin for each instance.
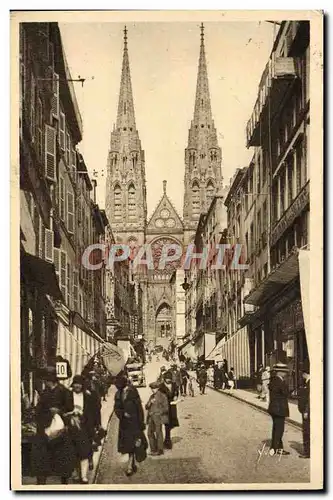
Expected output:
(126, 204)
(125, 116)
(202, 108)
(203, 176)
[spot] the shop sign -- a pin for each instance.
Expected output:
(61, 370)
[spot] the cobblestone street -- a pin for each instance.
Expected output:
(217, 441)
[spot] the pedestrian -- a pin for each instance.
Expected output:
(82, 420)
(184, 377)
(52, 453)
(258, 380)
(158, 415)
(278, 407)
(265, 378)
(176, 376)
(231, 379)
(170, 389)
(304, 408)
(202, 379)
(224, 378)
(210, 375)
(128, 408)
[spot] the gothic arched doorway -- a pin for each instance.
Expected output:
(163, 322)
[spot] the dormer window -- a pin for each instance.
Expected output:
(202, 125)
(125, 128)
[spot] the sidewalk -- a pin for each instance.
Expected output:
(251, 398)
(106, 412)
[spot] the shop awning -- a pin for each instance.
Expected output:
(215, 354)
(41, 274)
(275, 281)
(113, 358)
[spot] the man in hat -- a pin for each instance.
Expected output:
(158, 414)
(304, 408)
(202, 378)
(278, 406)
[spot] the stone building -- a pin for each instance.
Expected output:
(279, 128)
(62, 303)
(126, 206)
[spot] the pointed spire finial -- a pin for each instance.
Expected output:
(202, 33)
(125, 37)
(164, 186)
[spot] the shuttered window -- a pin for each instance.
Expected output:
(63, 273)
(41, 238)
(50, 153)
(73, 166)
(68, 148)
(69, 288)
(56, 261)
(32, 107)
(70, 212)
(62, 131)
(75, 290)
(49, 239)
(55, 97)
(62, 198)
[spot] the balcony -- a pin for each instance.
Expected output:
(293, 211)
(278, 77)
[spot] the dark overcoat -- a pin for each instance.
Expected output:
(304, 398)
(278, 397)
(171, 394)
(52, 457)
(127, 401)
(82, 437)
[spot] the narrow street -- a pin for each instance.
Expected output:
(217, 442)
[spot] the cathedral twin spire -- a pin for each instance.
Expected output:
(126, 158)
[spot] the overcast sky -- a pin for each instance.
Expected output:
(164, 62)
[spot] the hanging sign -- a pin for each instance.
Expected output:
(61, 370)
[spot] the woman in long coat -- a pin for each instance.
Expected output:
(82, 420)
(52, 457)
(171, 390)
(128, 408)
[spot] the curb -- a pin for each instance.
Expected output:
(94, 475)
(254, 405)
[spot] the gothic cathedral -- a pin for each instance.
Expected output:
(126, 204)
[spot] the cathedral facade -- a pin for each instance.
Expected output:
(126, 203)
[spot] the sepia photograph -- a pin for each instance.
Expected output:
(166, 218)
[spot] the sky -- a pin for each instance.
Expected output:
(164, 63)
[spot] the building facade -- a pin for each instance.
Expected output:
(126, 205)
(279, 129)
(62, 302)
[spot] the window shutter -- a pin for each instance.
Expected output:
(50, 153)
(75, 289)
(55, 97)
(62, 198)
(56, 261)
(62, 131)
(51, 55)
(69, 288)
(74, 163)
(49, 239)
(41, 237)
(33, 107)
(68, 147)
(70, 212)
(63, 274)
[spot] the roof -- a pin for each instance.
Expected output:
(162, 216)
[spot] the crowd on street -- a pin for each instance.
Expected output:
(68, 420)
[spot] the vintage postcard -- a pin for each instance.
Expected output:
(167, 226)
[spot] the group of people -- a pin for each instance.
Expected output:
(221, 376)
(161, 412)
(69, 428)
